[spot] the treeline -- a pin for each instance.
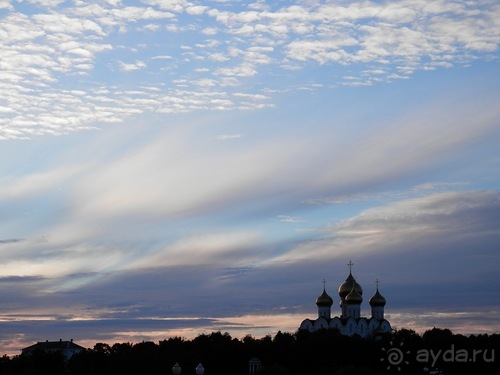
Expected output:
(323, 352)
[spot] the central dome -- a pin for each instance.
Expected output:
(354, 297)
(347, 286)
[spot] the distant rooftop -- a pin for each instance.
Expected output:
(67, 348)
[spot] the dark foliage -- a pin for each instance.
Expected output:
(324, 352)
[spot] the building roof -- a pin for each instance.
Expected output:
(54, 345)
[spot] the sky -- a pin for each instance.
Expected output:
(173, 167)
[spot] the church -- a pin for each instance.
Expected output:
(350, 321)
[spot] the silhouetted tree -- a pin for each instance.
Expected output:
(324, 352)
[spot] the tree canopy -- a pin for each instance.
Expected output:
(325, 352)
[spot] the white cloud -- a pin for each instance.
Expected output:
(443, 213)
(137, 65)
(242, 70)
(108, 189)
(392, 40)
(217, 56)
(21, 188)
(252, 96)
(225, 137)
(5, 4)
(173, 5)
(127, 14)
(46, 3)
(196, 10)
(165, 57)
(60, 23)
(152, 27)
(210, 31)
(320, 51)
(206, 83)
(290, 219)
(222, 249)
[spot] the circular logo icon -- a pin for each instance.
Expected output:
(395, 356)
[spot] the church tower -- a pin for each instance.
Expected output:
(324, 303)
(377, 302)
(353, 304)
(345, 289)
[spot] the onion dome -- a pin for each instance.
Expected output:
(347, 286)
(377, 299)
(353, 297)
(324, 299)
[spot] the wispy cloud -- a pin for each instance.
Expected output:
(290, 219)
(13, 240)
(408, 225)
(225, 137)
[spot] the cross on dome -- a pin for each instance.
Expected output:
(350, 264)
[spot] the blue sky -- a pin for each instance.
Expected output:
(176, 167)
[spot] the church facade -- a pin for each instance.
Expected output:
(350, 321)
